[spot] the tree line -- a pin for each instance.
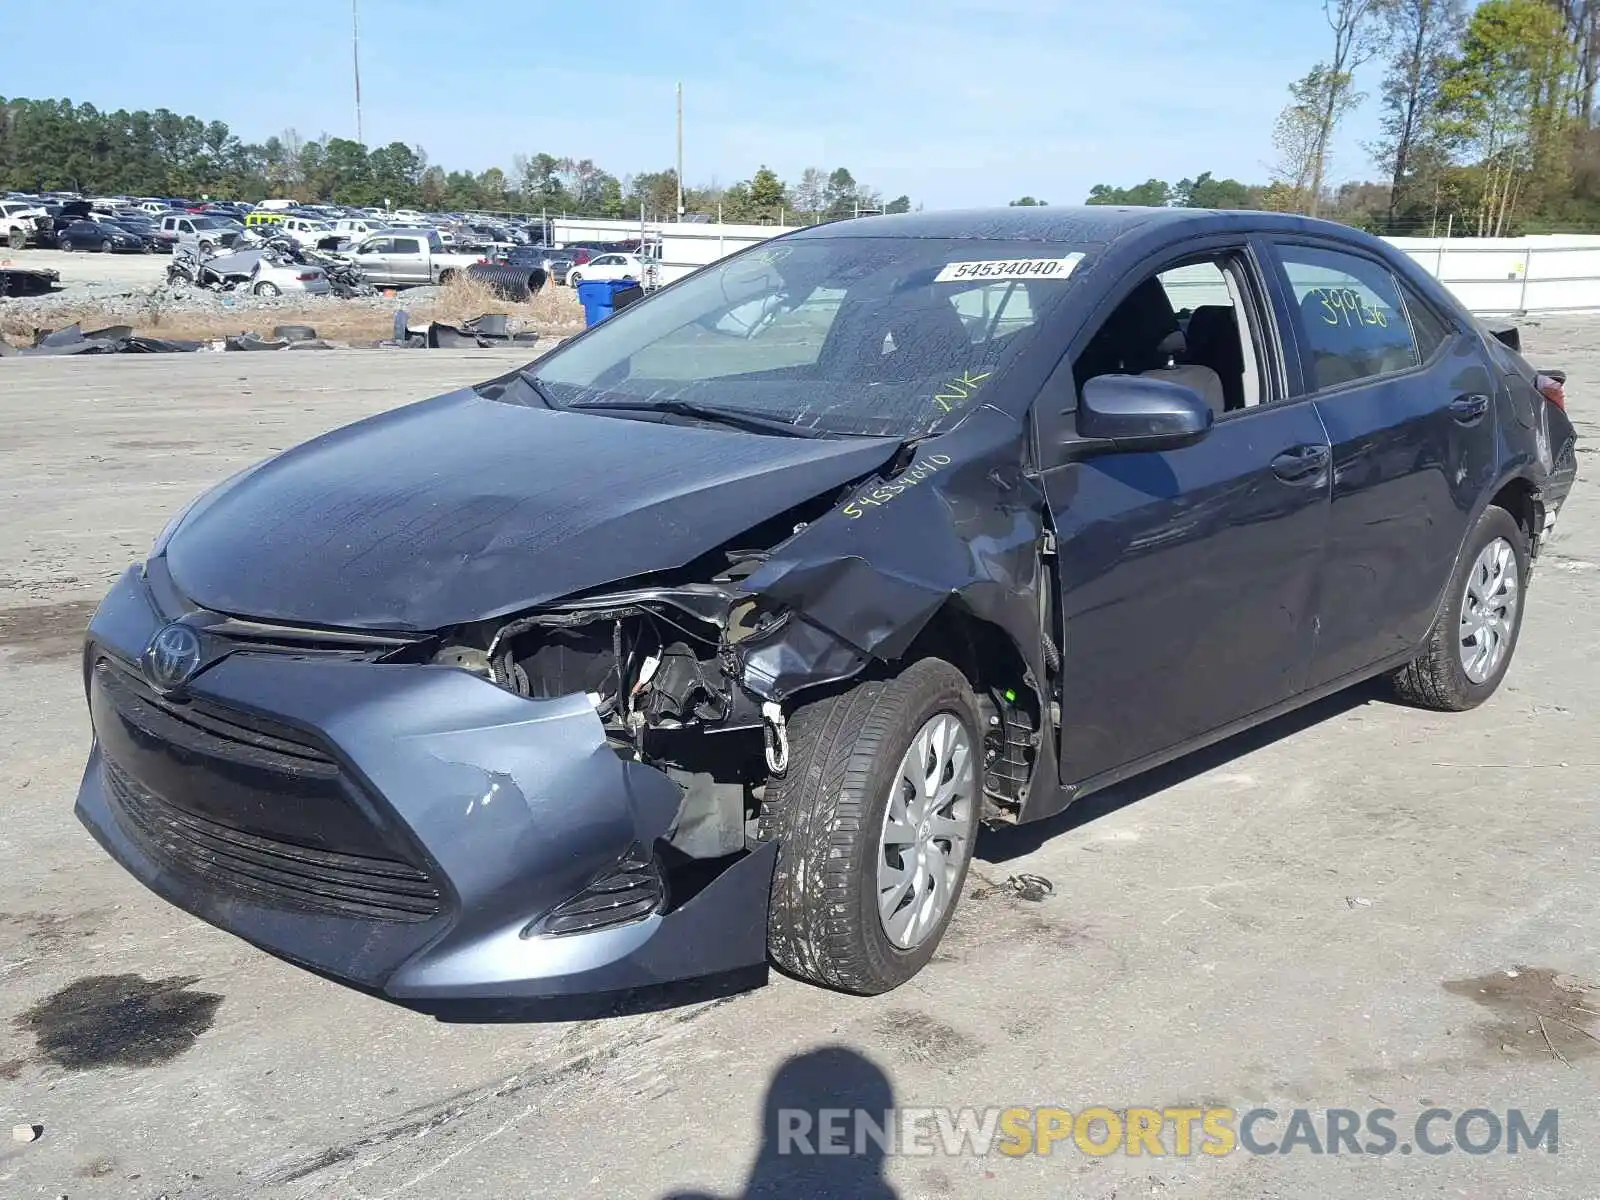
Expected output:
(56, 145)
(1488, 122)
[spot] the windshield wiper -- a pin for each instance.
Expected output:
(705, 412)
(537, 388)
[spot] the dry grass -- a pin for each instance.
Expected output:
(555, 312)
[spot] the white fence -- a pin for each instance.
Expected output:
(1547, 273)
(1537, 274)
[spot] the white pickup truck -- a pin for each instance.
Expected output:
(407, 258)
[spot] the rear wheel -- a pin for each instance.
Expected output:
(1475, 634)
(266, 289)
(875, 819)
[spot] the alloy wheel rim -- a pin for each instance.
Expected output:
(927, 824)
(1489, 611)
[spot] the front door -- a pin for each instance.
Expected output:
(1186, 577)
(1409, 407)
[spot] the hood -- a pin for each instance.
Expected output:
(460, 508)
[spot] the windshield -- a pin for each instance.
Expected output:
(209, 223)
(876, 336)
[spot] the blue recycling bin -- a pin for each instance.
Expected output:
(598, 297)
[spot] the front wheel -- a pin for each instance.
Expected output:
(876, 818)
(17, 239)
(64, 244)
(106, 247)
(1475, 634)
(573, 279)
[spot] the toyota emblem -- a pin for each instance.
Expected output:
(172, 657)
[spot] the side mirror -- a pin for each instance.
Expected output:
(1129, 412)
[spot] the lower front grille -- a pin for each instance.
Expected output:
(274, 872)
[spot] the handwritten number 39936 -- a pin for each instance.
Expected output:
(1342, 306)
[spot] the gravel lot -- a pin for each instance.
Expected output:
(1318, 914)
(85, 275)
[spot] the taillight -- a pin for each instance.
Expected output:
(307, 276)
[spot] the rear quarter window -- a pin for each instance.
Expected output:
(1351, 322)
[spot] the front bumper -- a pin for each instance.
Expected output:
(398, 828)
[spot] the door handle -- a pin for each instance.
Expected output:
(1469, 409)
(1301, 464)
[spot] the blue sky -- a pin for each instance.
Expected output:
(954, 102)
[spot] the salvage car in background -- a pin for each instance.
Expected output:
(715, 633)
(608, 266)
(207, 234)
(407, 258)
(105, 236)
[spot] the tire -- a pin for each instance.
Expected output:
(1439, 677)
(206, 249)
(64, 245)
(17, 239)
(266, 289)
(446, 278)
(828, 815)
(106, 247)
(574, 279)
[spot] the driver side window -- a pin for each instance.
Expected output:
(1190, 323)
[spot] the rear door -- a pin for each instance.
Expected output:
(1409, 406)
(408, 264)
(1185, 577)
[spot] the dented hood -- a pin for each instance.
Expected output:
(461, 508)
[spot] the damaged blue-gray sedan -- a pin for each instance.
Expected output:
(713, 636)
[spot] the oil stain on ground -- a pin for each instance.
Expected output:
(120, 1020)
(1539, 1011)
(41, 632)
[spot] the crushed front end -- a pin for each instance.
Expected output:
(518, 809)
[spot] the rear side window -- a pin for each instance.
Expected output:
(1428, 329)
(1351, 323)
(407, 246)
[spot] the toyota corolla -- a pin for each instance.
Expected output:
(713, 636)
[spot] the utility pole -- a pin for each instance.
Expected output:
(680, 151)
(355, 59)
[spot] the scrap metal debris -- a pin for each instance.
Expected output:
(26, 1133)
(114, 339)
(1033, 888)
(28, 281)
(491, 329)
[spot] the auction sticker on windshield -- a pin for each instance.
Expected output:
(1009, 268)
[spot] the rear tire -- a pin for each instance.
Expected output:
(829, 815)
(266, 289)
(1439, 677)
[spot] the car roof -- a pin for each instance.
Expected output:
(1082, 224)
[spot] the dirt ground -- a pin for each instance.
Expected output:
(1359, 906)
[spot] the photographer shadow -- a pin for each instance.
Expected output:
(832, 1077)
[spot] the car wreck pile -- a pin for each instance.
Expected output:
(268, 270)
